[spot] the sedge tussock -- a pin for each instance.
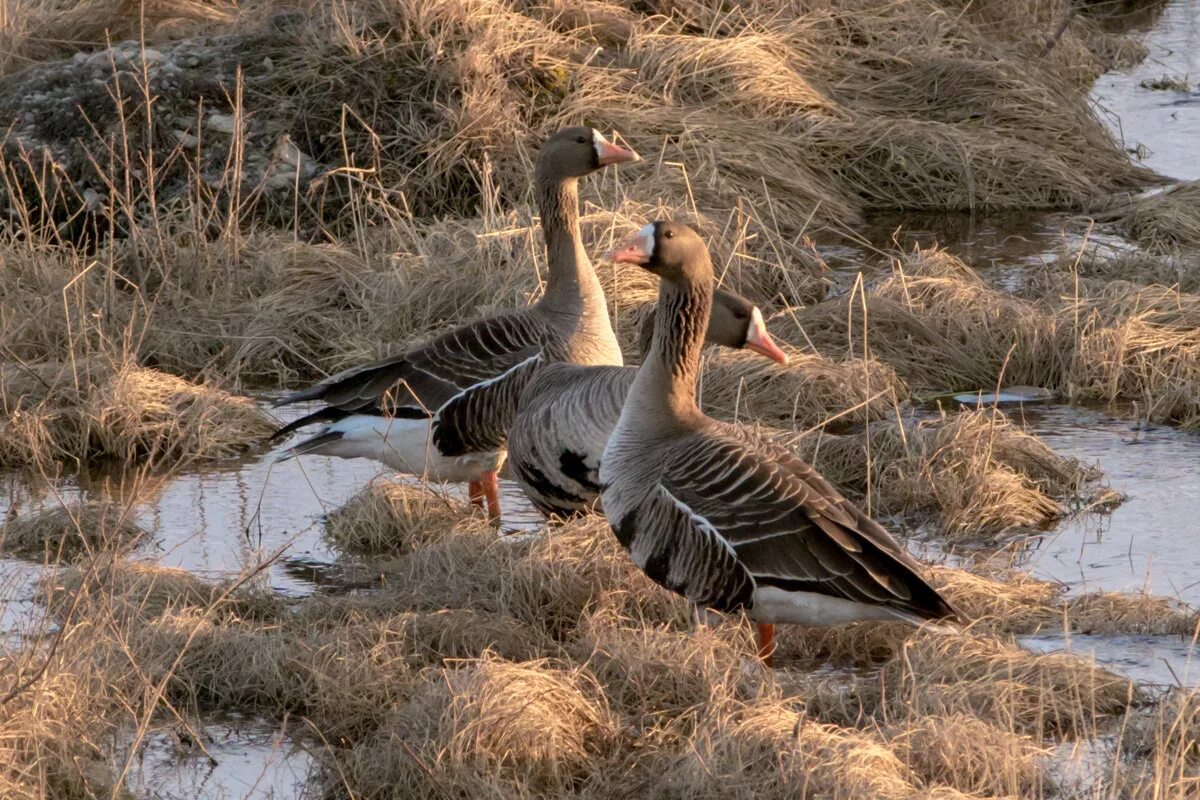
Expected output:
(65, 532)
(939, 326)
(769, 749)
(1162, 221)
(78, 412)
(968, 754)
(974, 473)
(135, 590)
(1157, 366)
(529, 727)
(1055, 694)
(809, 390)
(54, 735)
(657, 675)
(387, 517)
(1161, 748)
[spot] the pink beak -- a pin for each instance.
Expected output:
(758, 340)
(608, 153)
(635, 251)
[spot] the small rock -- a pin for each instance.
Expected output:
(282, 179)
(268, 64)
(185, 139)
(92, 199)
(287, 153)
(222, 123)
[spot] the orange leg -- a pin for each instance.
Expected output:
(491, 491)
(475, 493)
(766, 643)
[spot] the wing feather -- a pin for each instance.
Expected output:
(789, 527)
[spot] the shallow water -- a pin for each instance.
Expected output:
(1163, 127)
(239, 760)
(1149, 541)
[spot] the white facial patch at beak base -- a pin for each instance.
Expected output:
(608, 153)
(646, 235)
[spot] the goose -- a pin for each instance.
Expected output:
(730, 521)
(567, 412)
(442, 409)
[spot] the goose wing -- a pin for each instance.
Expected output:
(454, 378)
(730, 513)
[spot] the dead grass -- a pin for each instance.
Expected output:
(1162, 749)
(974, 474)
(67, 531)
(809, 390)
(989, 677)
(531, 724)
(1161, 221)
(387, 517)
(83, 411)
(939, 326)
(965, 752)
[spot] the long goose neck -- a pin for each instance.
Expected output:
(572, 286)
(665, 387)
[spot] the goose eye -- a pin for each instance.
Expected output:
(581, 139)
(669, 234)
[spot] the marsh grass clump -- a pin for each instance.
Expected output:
(54, 735)
(387, 517)
(85, 411)
(973, 473)
(771, 749)
(939, 325)
(134, 590)
(484, 726)
(64, 532)
(809, 390)
(1162, 221)
(1161, 748)
(971, 755)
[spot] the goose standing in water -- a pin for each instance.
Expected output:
(730, 521)
(567, 412)
(442, 409)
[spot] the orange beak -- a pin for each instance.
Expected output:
(758, 340)
(637, 250)
(608, 153)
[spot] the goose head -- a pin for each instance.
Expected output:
(579, 151)
(735, 322)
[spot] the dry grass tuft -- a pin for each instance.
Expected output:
(810, 390)
(138, 591)
(769, 749)
(993, 679)
(656, 675)
(387, 517)
(78, 412)
(531, 727)
(974, 474)
(1162, 221)
(1162, 749)
(1157, 366)
(65, 532)
(939, 326)
(970, 755)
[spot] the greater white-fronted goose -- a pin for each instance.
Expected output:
(730, 521)
(567, 412)
(442, 410)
